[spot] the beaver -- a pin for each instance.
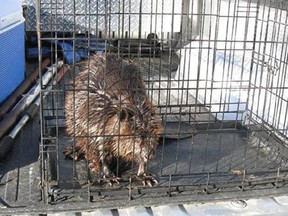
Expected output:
(110, 115)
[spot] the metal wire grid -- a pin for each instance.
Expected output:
(222, 98)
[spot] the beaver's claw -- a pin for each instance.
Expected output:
(147, 180)
(112, 181)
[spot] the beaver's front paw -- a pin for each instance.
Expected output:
(147, 180)
(108, 176)
(112, 180)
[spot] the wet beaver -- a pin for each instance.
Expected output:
(110, 115)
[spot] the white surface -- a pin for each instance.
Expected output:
(10, 13)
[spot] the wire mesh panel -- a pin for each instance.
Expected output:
(191, 98)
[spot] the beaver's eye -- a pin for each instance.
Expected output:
(122, 115)
(125, 114)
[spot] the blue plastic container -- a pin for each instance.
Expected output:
(12, 47)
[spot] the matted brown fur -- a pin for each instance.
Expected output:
(110, 115)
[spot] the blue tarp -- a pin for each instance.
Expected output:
(84, 44)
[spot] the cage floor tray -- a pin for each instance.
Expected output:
(230, 151)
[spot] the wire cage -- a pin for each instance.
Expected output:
(215, 71)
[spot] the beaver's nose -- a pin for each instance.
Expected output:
(144, 134)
